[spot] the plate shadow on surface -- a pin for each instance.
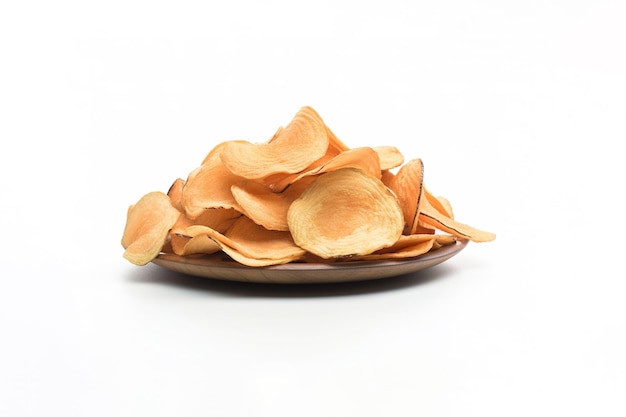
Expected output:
(153, 274)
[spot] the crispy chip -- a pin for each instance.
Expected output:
(200, 244)
(390, 157)
(407, 185)
(431, 216)
(266, 207)
(365, 159)
(208, 186)
(346, 212)
(147, 226)
(303, 141)
(439, 203)
(279, 181)
(252, 240)
(419, 247)
(175, 193)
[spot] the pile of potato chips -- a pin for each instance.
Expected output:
(302, 196)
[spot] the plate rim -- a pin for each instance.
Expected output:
(218, 266)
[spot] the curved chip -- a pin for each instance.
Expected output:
(433, 217)
(407, 184)
(266, 207)
(441, 204)
(365, 159)
(303, 141)
(390, 157)
(208, 186)
(345, 212)
(399, 252)
(252, 240)
(175, 193)
(148, 223)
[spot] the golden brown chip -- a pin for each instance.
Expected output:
(177, 243)
(201, 244)
(431, 216)
(303, 141)
(147, 226)
(208, 186)
(390, 157)
(439, 203)
(252, 240)
(443, 240)
(401, 252)
(345, 212)
(265, 207)
(175, 193)
(278, 181)
(219, 219)
(387, 177)
(335, 145)
(365, 159)
(407, 185)
(251, 261)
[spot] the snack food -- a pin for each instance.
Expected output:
(301, 196)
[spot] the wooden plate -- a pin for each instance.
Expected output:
(220, 266)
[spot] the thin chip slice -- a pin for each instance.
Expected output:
(335, 145)
(387, 177)
(277, 182)
(252, 240)
(177, 243)
(303, 141)
(208, 186)
(410, 251)
(175, 193)
(346, 212)
(431, 216)
(196, 245)
(147, 226)
(256, 262)
(439, 203)
(390, 157)
(364, 158)
(407, 185)
(219, 219)
(265, 207)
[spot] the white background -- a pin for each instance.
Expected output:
(516, 108)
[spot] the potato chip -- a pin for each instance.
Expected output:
(175, 193)
(407, 185)
(147, 226)
(252, 261)
(303, 141)
(407, 246)
(390, 157)
(439, 203)
(208, 186)
(346, 212)
(279, 181)
(201, 244)
(266, 207)
(419, 247)
(252, 240)
(365, 159)
(431, 216)
(177, 243)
